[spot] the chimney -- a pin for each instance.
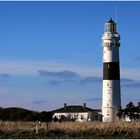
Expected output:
(84, 104)
(65, 104)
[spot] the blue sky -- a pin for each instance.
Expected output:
(50, 52)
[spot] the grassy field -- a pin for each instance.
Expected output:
(87, 130)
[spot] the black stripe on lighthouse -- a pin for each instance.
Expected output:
(111, 71)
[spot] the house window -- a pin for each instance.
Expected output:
(75, 116)
(82, 117)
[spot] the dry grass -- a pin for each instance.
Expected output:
(70, 130)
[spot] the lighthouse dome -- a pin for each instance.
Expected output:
(111, 21)
(110, 26)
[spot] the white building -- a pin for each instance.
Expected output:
(77, 113)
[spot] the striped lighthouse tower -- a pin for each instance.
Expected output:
(111, 100)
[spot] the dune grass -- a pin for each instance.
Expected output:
(66, 130)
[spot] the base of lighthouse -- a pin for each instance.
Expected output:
(110, 114)
(112, 102)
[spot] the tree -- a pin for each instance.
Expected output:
(130, 105)
(119, 114)
(45, 116)
(137, 111)
(132, 111)
(139, 104)
(55, 119)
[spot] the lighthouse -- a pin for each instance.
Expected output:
(111, 99)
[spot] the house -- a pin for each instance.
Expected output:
(77, 113)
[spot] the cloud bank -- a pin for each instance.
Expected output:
(93, 99)
(38, 102)
(132, 85)
(125, 80)
(56, 82)
(90, 79)
(66, 74)
(20, 67)
(129, 83)
(24, 67)
(4, 76)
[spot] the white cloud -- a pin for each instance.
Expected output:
(20, 67)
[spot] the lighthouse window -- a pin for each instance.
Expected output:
(107, 28)
(107, 114)
(108, 66)
(113, 28)
(107, 105)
